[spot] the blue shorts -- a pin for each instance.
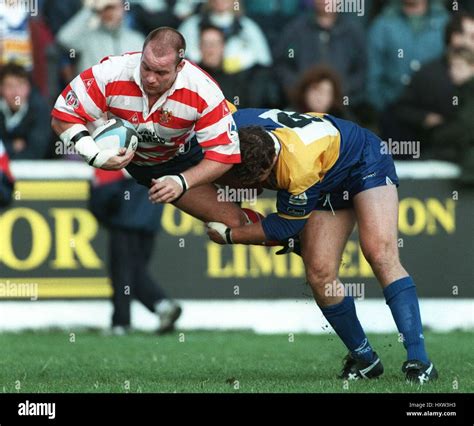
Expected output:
(191, 156)
(349, 176)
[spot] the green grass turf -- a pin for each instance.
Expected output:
(213, 361)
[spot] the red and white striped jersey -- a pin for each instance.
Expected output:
(193, 107)
(4, 163)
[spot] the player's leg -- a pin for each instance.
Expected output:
(322, 242)
(203, 203)
(377, 218)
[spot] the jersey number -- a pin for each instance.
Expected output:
(307, 128)
(295, 120)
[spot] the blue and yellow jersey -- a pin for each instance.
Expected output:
(308, 147)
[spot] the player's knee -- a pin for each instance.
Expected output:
(381, 253)
(320, 275)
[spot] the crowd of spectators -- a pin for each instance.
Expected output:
(402, 68)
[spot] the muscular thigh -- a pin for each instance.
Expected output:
(324, 237)
(377, 218)
(202, 203)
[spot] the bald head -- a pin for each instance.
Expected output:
(161, 60)
(165, 40)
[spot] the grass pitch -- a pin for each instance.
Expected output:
(214, 361)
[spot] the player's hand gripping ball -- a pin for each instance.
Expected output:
(115, 137)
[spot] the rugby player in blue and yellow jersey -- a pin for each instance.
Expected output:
(330, 174)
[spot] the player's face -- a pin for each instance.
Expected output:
(158, 74)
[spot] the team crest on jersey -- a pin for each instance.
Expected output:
(299, 200)
(71, 99)
(88, 83)
(134, 119)
(165, 116)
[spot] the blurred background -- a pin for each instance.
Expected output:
(403, 68)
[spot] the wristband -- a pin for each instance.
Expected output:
(228, 236)
(183, 182)
(79, 136)
(224, 231)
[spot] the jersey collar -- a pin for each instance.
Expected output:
(276, 142)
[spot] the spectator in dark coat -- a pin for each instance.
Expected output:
(254, 87)
(122, 206)
(24, 116)
(406, 35)
(6, 178)
(323, 37)
(454, 140)
(57, 12)
(427, 102)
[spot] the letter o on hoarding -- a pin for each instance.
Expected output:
(40, 239)
(419, 216)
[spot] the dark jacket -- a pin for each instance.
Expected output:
(255, 87)
(455, 140)
(34, 128)
(430, 90)
(124, 204)
(304, 44)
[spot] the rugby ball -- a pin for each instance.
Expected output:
(113, 135)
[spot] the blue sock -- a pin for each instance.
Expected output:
(343, 319)
(403, 301)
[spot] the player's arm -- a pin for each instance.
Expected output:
(217, 134)
(83, 101)
(78, 135)
(289, 221)
(272, 228)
